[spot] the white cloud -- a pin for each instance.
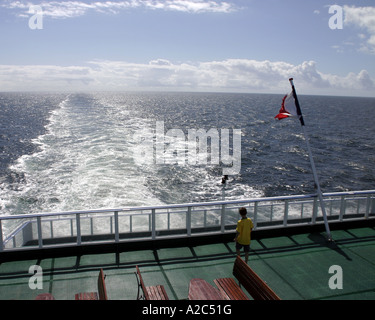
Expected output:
(352, 82)
(231, 75)
(363, 18)
(190, 5)
(70, 9)
(41, 77)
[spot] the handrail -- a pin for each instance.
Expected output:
(184, 205)
(188, 219)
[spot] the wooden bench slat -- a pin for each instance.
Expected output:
(163, 293)
(249, 281)
(257, 288)
(224, 287)
(86, 296)
(156, 293)
(204, 293)
(200, 289)
(102, 290)
(100, 295)
(152, 292)
(231, 289)
(236, 291)
(45, 296)
(142, 285)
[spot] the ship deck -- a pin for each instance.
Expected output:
(295, 266)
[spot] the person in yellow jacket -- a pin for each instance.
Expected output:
(243, 233)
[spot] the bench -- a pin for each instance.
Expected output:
(45, 296)
(257, 288)
(230, 289)
(200, 289)
(149, 293)
(100, 295)
(254, 285)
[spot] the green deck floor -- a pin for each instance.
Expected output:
(295, 267)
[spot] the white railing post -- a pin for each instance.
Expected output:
(117, 234)
(1, 237)
(78, 226)
(188, 221)
(39, 228)
(91, 226)
(51, 227)
(153, 224)
(205, 218)
(169, 221)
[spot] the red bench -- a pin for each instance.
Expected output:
(45, 296)
(200, 289)
(149, 293)
(100, 295)
(246, 276)
(230, 289)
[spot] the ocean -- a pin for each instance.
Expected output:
(76, 151)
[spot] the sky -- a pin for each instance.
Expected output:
(189, 45)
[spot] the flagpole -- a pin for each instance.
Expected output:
(320, 195)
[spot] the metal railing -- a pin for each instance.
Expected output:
(35, 231)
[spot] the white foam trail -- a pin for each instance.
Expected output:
(83, 163)
(86, 160)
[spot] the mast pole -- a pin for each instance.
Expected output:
(317, 185)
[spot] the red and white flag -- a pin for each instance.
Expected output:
(290, 107)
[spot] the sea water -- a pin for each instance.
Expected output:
(74, 151)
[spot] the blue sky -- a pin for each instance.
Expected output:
(188, 45)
